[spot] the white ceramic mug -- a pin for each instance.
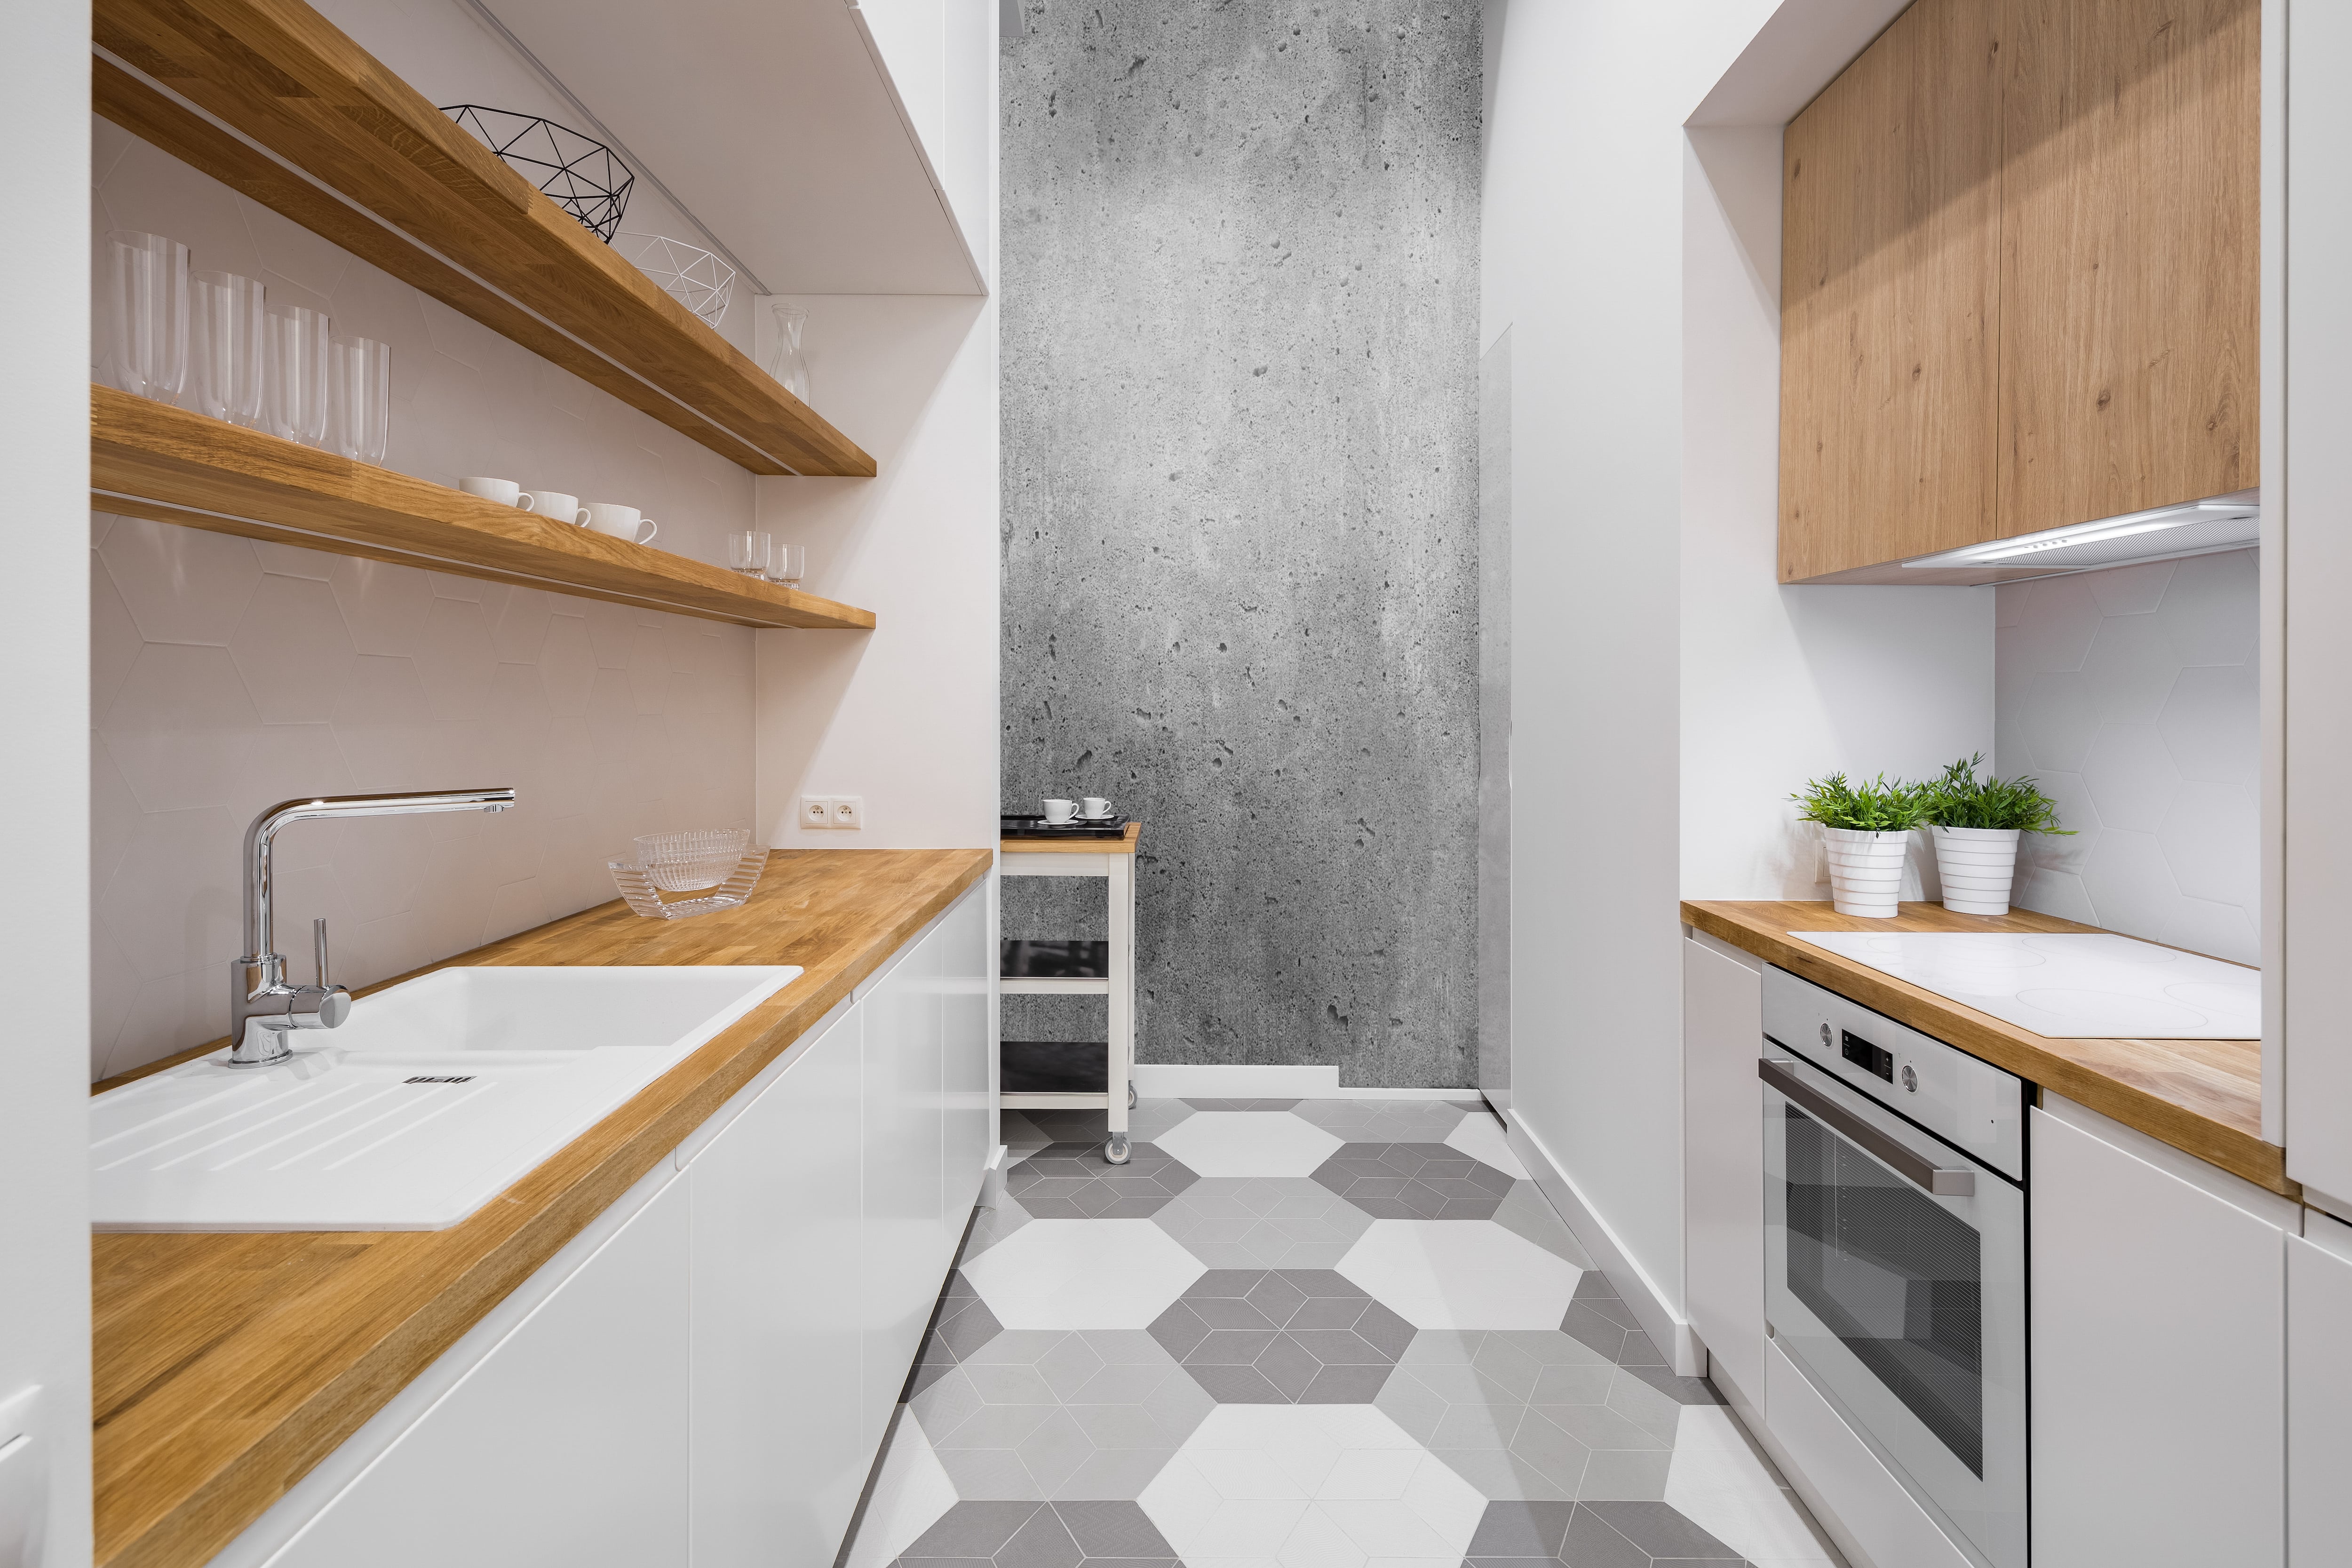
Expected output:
(1060, 811)
(1093, 807)
(555, 504)
(506, 492)
(620, 521)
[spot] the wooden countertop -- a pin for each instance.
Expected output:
(2203, 1096)
(1123, 845)
(225, 1366)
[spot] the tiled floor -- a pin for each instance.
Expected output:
(1304, 1333)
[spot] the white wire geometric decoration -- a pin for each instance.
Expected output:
(696, 279)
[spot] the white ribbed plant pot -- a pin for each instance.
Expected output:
(1976, 865)
(1866, 871)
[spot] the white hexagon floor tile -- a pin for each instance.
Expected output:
(1248, 1143)
(1083, 1273)
(1311, 1485)
(1451, 1274)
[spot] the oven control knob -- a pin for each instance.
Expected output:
(1825, 1036)
(1910, 1077)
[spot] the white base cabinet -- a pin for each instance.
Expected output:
(2319, 1391)
(709, 1385)
(1723, 1160)
(2159, 1325)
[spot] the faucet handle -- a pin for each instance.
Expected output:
(318, 948)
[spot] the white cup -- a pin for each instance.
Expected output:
(556, 505)
(620, 521)
(505, 492)
(1094, 807)
(1060, 811)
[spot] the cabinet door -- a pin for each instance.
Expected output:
(1723, 1156)
(2318, 1391)
(777, 1335)
(968, 1007)
(904, 1243)
(1890, 260)
(565, 1447)
(2130, 233)
(2159, 1342)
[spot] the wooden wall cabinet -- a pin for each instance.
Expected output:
(2019, 279)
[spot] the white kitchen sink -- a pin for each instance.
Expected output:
(434, 1097)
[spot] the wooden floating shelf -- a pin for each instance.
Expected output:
(150, 459)
(270, 98)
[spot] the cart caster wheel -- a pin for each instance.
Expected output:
(1130, 1097)
(1115, 1152)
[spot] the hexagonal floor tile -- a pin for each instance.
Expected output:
(1041, 1535)
(1282, 1336)
(1083, 1273)
(1248, 1143)
(1389, 1121)
(1598, 1318)
(1593, 1535)
(1263, 1222)
(991, 1223)
(1038, 1413)
(1310, 1485)
(1480, 1135)
(960, 1325)
(1444, 1273)
(1070, 1181)
(1533, 1414)
(1413, 1181)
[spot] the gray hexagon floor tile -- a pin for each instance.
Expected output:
(1146, 1119)
(1064, 1534)
(1525, 1211)
(1413, 1181)
(1285, 1336)
(1072, 1181)
(1597, 1317)
(1515, 1535)
(1264, 1222)
(1048, 1414)
(991, 1223)
(960, 1324)
(1385, 1121)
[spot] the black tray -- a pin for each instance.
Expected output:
(1054, 1067)
(1036, 827)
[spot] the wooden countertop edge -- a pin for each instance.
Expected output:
(176, 1483)
(2004, 1045)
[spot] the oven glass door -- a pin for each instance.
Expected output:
(1905, 1307)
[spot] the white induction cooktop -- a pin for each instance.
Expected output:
(2068, 986)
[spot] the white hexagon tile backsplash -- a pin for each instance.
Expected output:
(2134, 695)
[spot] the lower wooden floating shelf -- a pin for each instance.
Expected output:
(150, 459)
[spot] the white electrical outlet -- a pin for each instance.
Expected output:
(849, 811)
(816, 811)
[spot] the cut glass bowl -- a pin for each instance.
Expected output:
(689, 862)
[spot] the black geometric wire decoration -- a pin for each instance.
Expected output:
(579, 172)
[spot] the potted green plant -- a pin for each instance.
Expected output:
(1868, 826)
(1975, 824)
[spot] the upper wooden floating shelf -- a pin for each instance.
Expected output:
(150, 459)
(270, 98)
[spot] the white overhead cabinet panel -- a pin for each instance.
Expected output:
(779, 125)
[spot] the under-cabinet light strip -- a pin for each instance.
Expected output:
(416, 243)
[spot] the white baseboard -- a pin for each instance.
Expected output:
(1218, 1081)
(1671, 1334)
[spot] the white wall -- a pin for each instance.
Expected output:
(229, 674)
(1666, 692)
(2134, 696)
(905, 716)
(44, 411)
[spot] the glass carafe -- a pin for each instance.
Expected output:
(785, 360)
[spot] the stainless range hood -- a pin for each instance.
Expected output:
(2161, 533)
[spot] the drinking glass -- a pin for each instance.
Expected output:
(747, 551)
(787, 564)
(359, 397)
(146, 307)
(294, 379)
(227, 341)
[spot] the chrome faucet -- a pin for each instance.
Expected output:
(263, 1007)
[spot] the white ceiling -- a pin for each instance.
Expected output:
(775, 124)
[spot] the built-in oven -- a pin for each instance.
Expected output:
(1895, 1250)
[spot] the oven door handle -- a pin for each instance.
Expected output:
(1943, 1180)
